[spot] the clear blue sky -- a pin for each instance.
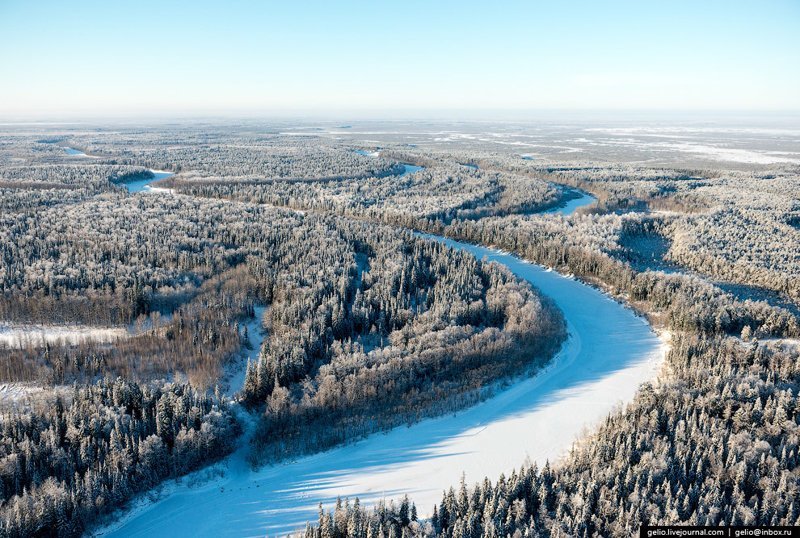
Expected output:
(61, 58)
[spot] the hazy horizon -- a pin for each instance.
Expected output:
(790, 117)
(90, 59)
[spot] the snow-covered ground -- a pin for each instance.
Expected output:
(20, 335)
(16, 392)
(233, 380)
(20, 396)
(687, 141)
(156, 190)
(610, 352)
(737, 155)
(788, 344)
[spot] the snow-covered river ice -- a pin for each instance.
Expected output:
(143, 185)
(581, 199)
(140, 185)
(408, 168)
(75, 152)
(609, 354)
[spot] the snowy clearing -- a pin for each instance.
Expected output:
(77, 153)
(16, 392)
(789, 344)
(730, 154)
(609, 354)
(21, 336)
(21, 396)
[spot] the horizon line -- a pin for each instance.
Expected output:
(390, 115)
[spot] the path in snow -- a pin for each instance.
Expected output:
(609, 354)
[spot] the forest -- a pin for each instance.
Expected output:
(367, 326)
(716, 443)
(82, 456)
(352, 312)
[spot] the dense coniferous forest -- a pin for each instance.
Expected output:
(412, 329)
(84, 455)
(353, 312)
(366, 326)
(445, 191)
(715, 443)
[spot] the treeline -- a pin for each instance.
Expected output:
(382, 521)
(443, 209)
(196, 341)
(25, 189)
(207, 263)
(618, 186)
(734, 225)
(117, 243)
(715, 443)
(96, 176)
(65, 465)
(688, 302)
(447, 192)
(229, 154)
(747, 238)
(646, 244)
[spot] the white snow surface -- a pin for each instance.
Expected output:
(235, 372)
(571, 205)
(609, 354)
(737, 155)
(15, 392)
(21, 335)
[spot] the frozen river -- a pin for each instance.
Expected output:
(609, 354)
(143, 185)
(581, 199)
(140, 185)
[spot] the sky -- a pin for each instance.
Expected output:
(62, 59)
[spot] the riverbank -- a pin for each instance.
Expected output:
(610, 352)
